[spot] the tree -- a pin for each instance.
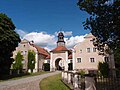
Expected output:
(104, 24)
(104, 20)
(9, 40)
(104, 69)
(31, 60)
(117, 61)
(18, 62)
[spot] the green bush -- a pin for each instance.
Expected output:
(82, 72)
(31, 60)
(46, 67)
(104, 69)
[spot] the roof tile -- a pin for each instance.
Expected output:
(59, 48)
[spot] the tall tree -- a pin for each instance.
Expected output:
(104, 20)
(9, 40)
(18, 62)
(104, 24)
(31, 60)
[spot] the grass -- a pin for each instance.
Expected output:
(22, 75)
(53, 83)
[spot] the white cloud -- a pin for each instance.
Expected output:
(48, 41)
(21, 32)
(67, 33)
(70, 42)
(42, 39)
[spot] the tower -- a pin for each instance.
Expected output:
(60, 41)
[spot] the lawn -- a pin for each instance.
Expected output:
(53, 83)
(22, 75)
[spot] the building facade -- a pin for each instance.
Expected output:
(84, 55)
(59, 56)
(40, 54)
(87, 57)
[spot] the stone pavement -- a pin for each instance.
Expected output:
(29, 83)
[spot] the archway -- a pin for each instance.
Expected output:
(59, 64)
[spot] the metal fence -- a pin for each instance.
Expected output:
(110, 83)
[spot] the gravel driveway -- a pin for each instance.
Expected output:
(29, 83)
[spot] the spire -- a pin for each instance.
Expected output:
(60, 41)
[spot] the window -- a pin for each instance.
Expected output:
(79, 60)
(92, 60)
(88, 50)
(25, 52)
(22, 52)
(80, 51)
(106, 59)
(94, 49)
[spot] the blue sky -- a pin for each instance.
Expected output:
(45, 16)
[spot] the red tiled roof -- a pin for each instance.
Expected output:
(41, 50)
(59, 48)
(70, 56)
(48, 57)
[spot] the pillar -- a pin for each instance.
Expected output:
(73, 58)
(51, 61)
(89, 83)
(66, 61)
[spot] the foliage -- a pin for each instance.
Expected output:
(103, 68)
(18, 61)
(104, 20)
(117, 61)
(9, 40)
(46, 66)
(31, 60)
(53, 83)
(82, 72)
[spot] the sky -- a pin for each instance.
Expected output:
(41, 20)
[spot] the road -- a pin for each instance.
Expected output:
(29, 83)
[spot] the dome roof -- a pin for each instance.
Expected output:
(60, 34)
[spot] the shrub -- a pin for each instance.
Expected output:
(46, 67)
(104, 69)
(82, 72)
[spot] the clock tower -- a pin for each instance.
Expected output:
(60, 41)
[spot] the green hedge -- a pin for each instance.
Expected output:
(46, 67)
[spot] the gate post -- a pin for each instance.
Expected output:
(69, 77)
(62, 75)
(76, 81)
(89, 82)
(65, 75)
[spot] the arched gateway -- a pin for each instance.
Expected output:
(60, 55)
(59, 64)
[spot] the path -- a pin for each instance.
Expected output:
(29, 83)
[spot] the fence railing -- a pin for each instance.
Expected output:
(89, 81)
(109, 83)
(78, 82)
